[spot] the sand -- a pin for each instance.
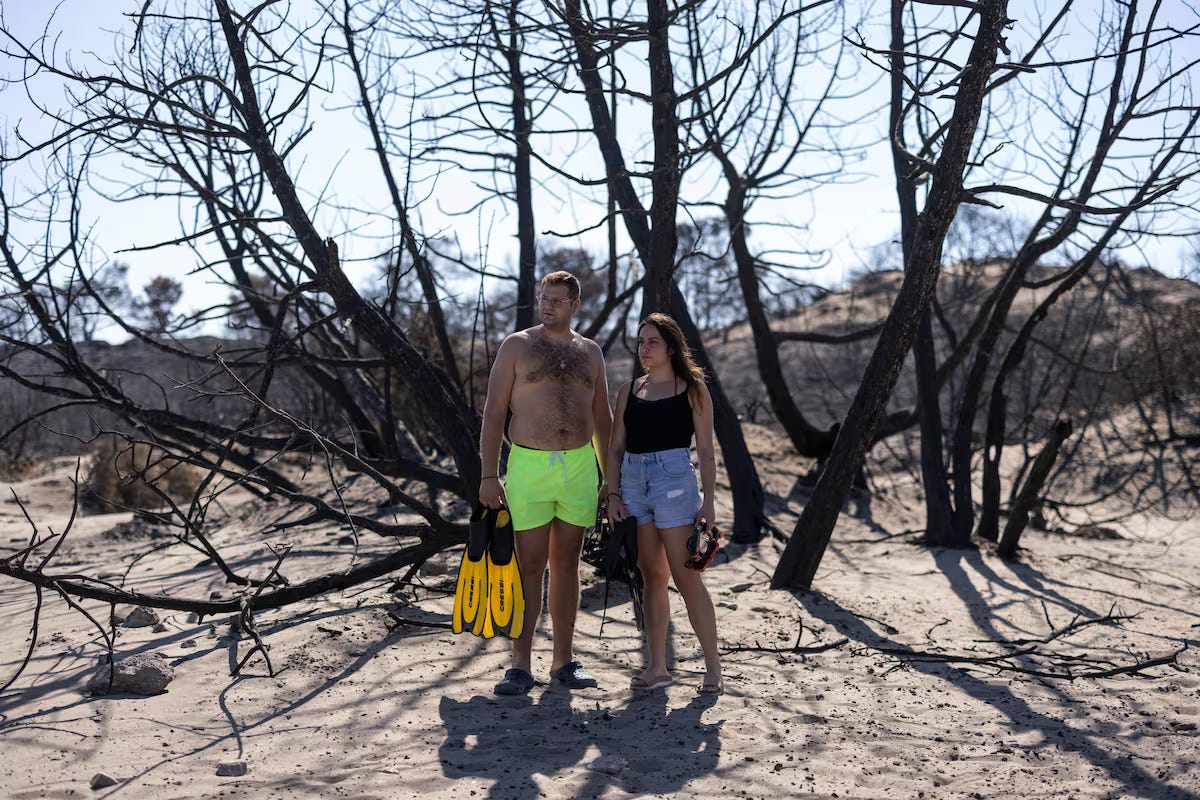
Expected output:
(360, 707)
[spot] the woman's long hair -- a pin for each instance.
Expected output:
(682, 362)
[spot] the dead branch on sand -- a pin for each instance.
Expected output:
(795, 648)
(1061, 666)
(1003, 663)
(72, 587)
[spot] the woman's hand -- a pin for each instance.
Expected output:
(708, 513)
(616, 508)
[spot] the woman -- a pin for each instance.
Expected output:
(656, 417)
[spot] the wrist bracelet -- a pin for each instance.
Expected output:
(485, 477)
(614, 494)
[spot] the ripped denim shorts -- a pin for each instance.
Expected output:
(660, 486)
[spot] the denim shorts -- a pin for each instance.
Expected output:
(660, 486)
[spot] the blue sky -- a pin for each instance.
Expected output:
(838, 221)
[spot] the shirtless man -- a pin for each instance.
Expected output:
(554, 382)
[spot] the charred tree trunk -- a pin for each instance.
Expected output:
(659, 256)
(993, 445)
(989, 521)
(610, 208)
(747, 488)
(929, 414)
(523, 176)
(808, 440)
(1031, 490)
(1030, 252)
(939, 512)
(748, 497)
(804, 550)
(994, 436)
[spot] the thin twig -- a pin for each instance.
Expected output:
(812, 648)
(1074, 625)
(246, 617)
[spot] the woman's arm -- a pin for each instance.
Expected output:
(702, 418)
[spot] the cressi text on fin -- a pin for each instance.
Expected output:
(506, 596)
(470, 593)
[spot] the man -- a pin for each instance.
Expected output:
(553, 381)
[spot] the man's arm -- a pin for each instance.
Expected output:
(495, 409)
(616, 454)
(602, 419)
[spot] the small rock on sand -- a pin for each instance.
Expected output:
(441, 564)
(140, 617)
(231, 769)
(102, 781)
(609, 765)
(1096, 532)
(143, 674)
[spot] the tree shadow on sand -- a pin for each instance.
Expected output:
(509, 741)
(1135, 780)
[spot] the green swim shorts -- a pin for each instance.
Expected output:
(544, 484)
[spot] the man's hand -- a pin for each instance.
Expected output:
(491, 493)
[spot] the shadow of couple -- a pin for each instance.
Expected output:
(644, 747)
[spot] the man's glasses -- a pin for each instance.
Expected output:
(554, 302)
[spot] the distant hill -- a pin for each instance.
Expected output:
(1111, 317)
(1099, 324)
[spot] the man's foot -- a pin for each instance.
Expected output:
(516, 682)
(573, 676)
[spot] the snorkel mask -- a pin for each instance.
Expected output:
(702, 546)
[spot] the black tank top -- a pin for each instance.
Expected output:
(653, 425)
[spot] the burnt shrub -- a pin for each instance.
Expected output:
(131, 475)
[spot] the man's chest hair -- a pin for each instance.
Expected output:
(550, 362)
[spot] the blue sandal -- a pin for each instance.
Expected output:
(573, 676)
(516, 682)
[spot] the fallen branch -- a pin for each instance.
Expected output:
(999, 662)
(21, 557)
(795, 648)
(1004, 662)
(33, 639)
(246, 618)
(812, 648)
(1075, 624)
(935, 626)
(416, 623)
(88, 588)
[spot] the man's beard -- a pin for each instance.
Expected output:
(559, 324)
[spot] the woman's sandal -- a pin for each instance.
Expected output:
(704, 687)
(640, 684)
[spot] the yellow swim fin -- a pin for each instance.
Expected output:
(506, 598)
(470, 594)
